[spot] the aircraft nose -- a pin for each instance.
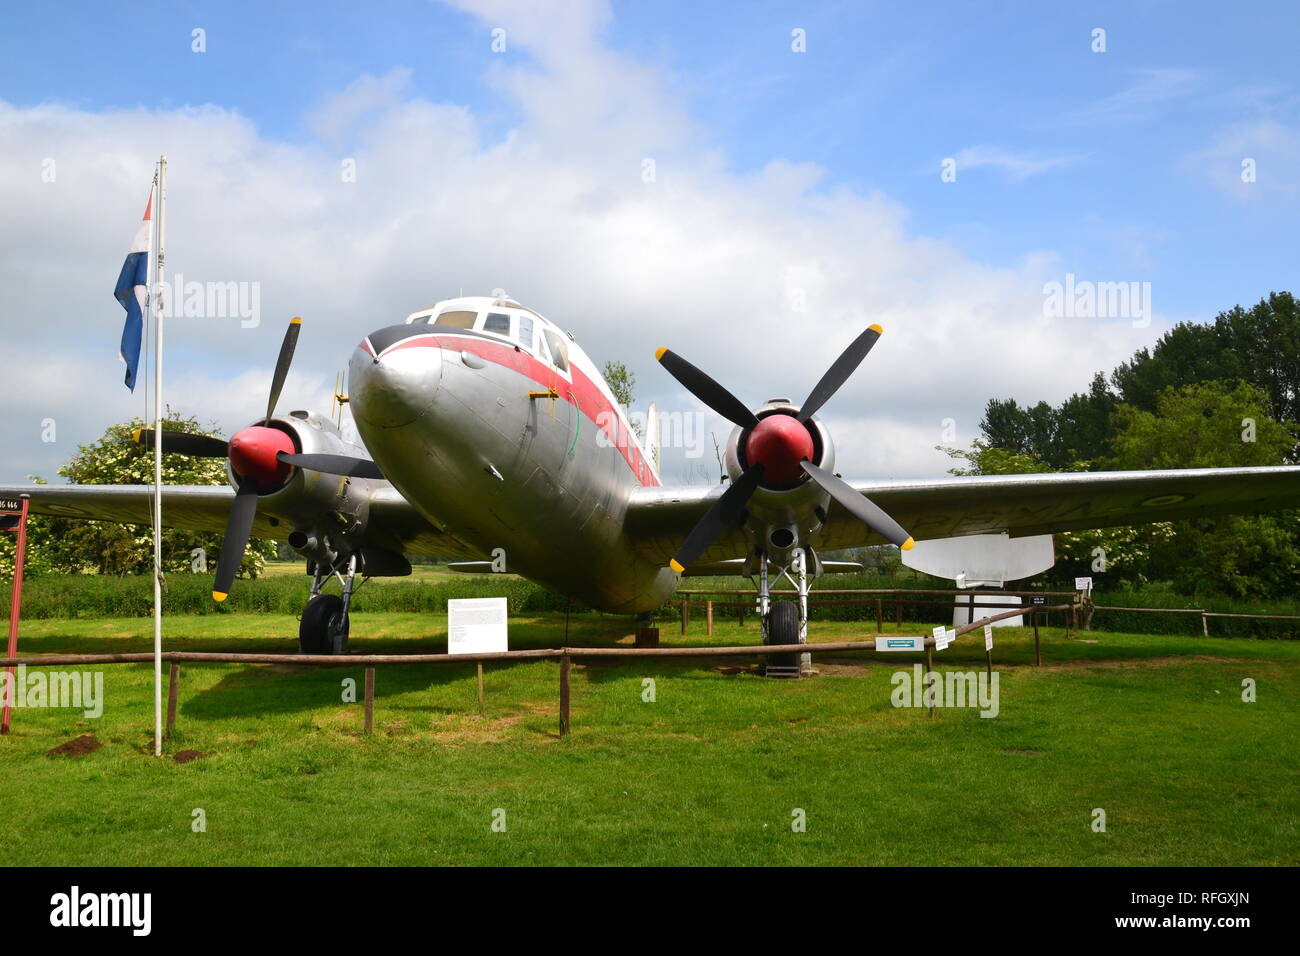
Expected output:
(393, 376)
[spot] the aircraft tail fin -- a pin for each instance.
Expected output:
(652, 436)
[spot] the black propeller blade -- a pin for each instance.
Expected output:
(724, 514)
(706, 389)
(282, 364)
(334, 465)
(729, 508)
(839, 372)
(183, 443)
(861, 507)
(239, 526)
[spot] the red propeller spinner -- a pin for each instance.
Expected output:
(253, 455)
(779, 443)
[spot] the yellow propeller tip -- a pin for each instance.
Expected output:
(296, 320)
(219, 596)
(135, 435)
(877, 329)
(907, 545)
(659, 354)
(675, 566)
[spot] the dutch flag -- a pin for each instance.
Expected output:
(133, 292)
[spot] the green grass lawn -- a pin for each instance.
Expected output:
(1151, 729)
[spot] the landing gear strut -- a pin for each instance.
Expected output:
(785, 622)
(324, 627)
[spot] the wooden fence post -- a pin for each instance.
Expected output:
(708, 616)
(740, 611)
(370, 700)
(880, 616)
(1038, 654)
(929, 666)
(564, 695)
(173, 679)
(686, 614)
(1205, 626)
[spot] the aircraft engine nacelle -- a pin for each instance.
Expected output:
(788, 506)
(327, 513)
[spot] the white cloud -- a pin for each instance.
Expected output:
(706, 260)
(1017, 165)
(1149, 89)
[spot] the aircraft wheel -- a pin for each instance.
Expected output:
(783, 628)
(324, 627)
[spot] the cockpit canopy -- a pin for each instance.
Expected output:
(503, 319)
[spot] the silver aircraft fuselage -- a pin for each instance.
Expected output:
(510, 442)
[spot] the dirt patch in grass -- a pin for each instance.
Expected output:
(454, 730)
(736, 669)
(845, 669)
(1021, 753)
(185, 756)
(76, 747)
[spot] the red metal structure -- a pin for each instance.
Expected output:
(13, 517)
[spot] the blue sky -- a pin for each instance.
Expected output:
(1115, 166)
(885, 92)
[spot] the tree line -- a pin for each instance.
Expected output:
(1206, 395)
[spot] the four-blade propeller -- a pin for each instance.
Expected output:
(262, 458)
(778, 451)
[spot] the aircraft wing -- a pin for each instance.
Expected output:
(659, 519)
(394, 524)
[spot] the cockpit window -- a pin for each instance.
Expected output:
(457, 319)
(526, 332)
(559, 353)
(420, 319)
(498, 323)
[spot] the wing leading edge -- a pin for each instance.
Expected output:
(659, 518)
(394, 524)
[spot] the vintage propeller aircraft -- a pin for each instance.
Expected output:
(489, 432)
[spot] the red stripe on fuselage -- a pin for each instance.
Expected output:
(583, 393)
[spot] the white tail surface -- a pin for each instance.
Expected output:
(652, 437)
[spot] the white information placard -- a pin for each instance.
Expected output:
(1083, 584)
(900, 643)
(988, 637)
(476, 626)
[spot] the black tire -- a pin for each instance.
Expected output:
(783, 628)
(324, 627)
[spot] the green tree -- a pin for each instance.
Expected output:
(621, 382)
(65, 545)
(1259, 345)
(1215, 425)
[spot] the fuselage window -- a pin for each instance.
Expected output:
(457, 319)
(559, 354)
(526, 333)
(498, 323)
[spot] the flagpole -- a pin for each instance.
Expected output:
(158, 312)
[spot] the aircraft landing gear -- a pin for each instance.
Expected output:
(785, 622)
(325, 623)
